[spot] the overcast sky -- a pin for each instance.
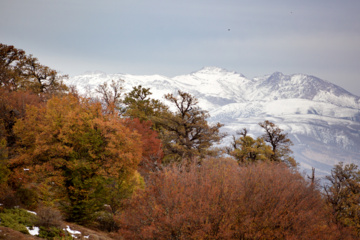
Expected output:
(168, 37)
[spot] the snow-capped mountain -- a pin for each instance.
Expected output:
(322, 119)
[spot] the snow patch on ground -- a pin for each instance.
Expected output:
(34, 231)
(32, 212)
(72, 232)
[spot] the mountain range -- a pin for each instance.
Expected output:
(321, 118)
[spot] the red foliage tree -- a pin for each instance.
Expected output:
(152, 151)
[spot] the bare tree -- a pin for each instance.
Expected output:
(111, 94)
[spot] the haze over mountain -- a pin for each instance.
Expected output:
(322, 119)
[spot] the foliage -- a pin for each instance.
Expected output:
(248, 150)
(220, 200)
(120, 190)
(343, 195)
(23, 81)
(186, 134)
(19, 71)
(152, 153)
(139, 105)
(279, 142)
(52, 233)
(12, 106)
(105, 221)
(17, 219)
(4, 171)
(72, 152)
(10, 57)
(27, 197)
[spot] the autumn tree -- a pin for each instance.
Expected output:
(343, 195)
(13, 106)
(152, 152)
(73, 155)
(279, 142)
(136, 110)
(186, 133)
(23, 81)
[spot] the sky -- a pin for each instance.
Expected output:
(170, 38)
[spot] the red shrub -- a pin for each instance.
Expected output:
(220, 200)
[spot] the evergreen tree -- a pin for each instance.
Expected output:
(138, 104)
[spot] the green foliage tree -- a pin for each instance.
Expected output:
(138, 104)
(279, 142)
(343, 195)
(73, 154)
(186, 133)
(246, 149)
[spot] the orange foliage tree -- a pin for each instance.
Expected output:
(221, 200)
(23, 81)
(74, 155)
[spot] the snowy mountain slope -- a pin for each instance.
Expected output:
(322, 119)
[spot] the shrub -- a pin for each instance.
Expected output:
(106, 222)
(221, 200)
(51, 233)
(49, 217)
(17, 219)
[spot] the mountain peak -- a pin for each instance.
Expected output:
(210, 70)
(277, 75)
(97, 72)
